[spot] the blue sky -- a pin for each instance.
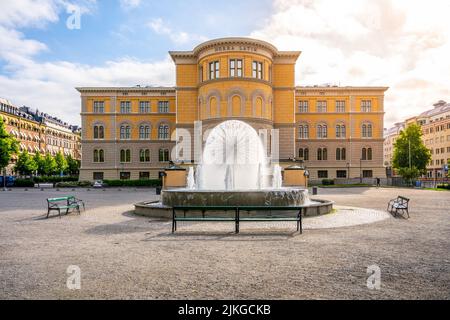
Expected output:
(111, 31)
(401, 44)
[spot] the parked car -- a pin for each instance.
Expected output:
(98, 184)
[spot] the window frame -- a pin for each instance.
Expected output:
(257, 70)
(125, 107)
(145, 109)
(236, 68)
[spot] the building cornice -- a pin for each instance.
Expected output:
(125, 89)
(350, 89)
(242, 44)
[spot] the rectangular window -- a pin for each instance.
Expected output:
(323, 174)
(144, 175)
(97, 175)
(99, 107)
(303, 107)
(236, 68)
(125, 176)
(366, 106)
(257, 70)
(340, 106)
(125, 107)
(163, 106)
(144, 106)
(341, 173)
(200, 74)
(321, 106)
(214, 68)
(367, 173)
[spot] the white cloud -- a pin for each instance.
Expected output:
(178, 37)
(130, 4)
(50, 86)
(401, 44)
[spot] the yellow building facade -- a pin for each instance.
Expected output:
(37, 132)
(128, 133)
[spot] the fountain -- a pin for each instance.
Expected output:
(235, 171)
(190, 179)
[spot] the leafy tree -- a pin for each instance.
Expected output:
(73, 166)
(411, 156)
(48, 165)
(39, 161)
(61, 163)
(8, 147)
(25, 164)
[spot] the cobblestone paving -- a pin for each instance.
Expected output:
(124, 256)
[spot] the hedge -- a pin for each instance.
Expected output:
(133, 183)
(24, 183)
(444, 186)
(54, 179)
(327, 182)
(73, 184)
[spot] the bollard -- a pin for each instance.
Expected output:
(314, 190)
(158, 190)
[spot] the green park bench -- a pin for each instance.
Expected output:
(64, 203)
(237, 216)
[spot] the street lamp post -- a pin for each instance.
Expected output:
(360, 170)
(348, 171)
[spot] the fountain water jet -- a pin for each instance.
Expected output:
(234, 172)
(190, 179)
(235, 152)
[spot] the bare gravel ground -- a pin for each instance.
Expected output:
(122, 256)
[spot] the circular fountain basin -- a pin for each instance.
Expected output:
(265, 197)
(280, 197)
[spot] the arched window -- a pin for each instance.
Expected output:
(144, 132)
(340, 154)
(369, 153)
(367, 130)
(322, 131)
(164, 155)
(340, 131)
(99, 155)
(303, 153)
(163, 132)
(144, 155)
(125, 155)
(99, 132)
(303, 131)
(322, 154)
(125, 132)
(364, 154)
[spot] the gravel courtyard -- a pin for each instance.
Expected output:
(124, 256)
